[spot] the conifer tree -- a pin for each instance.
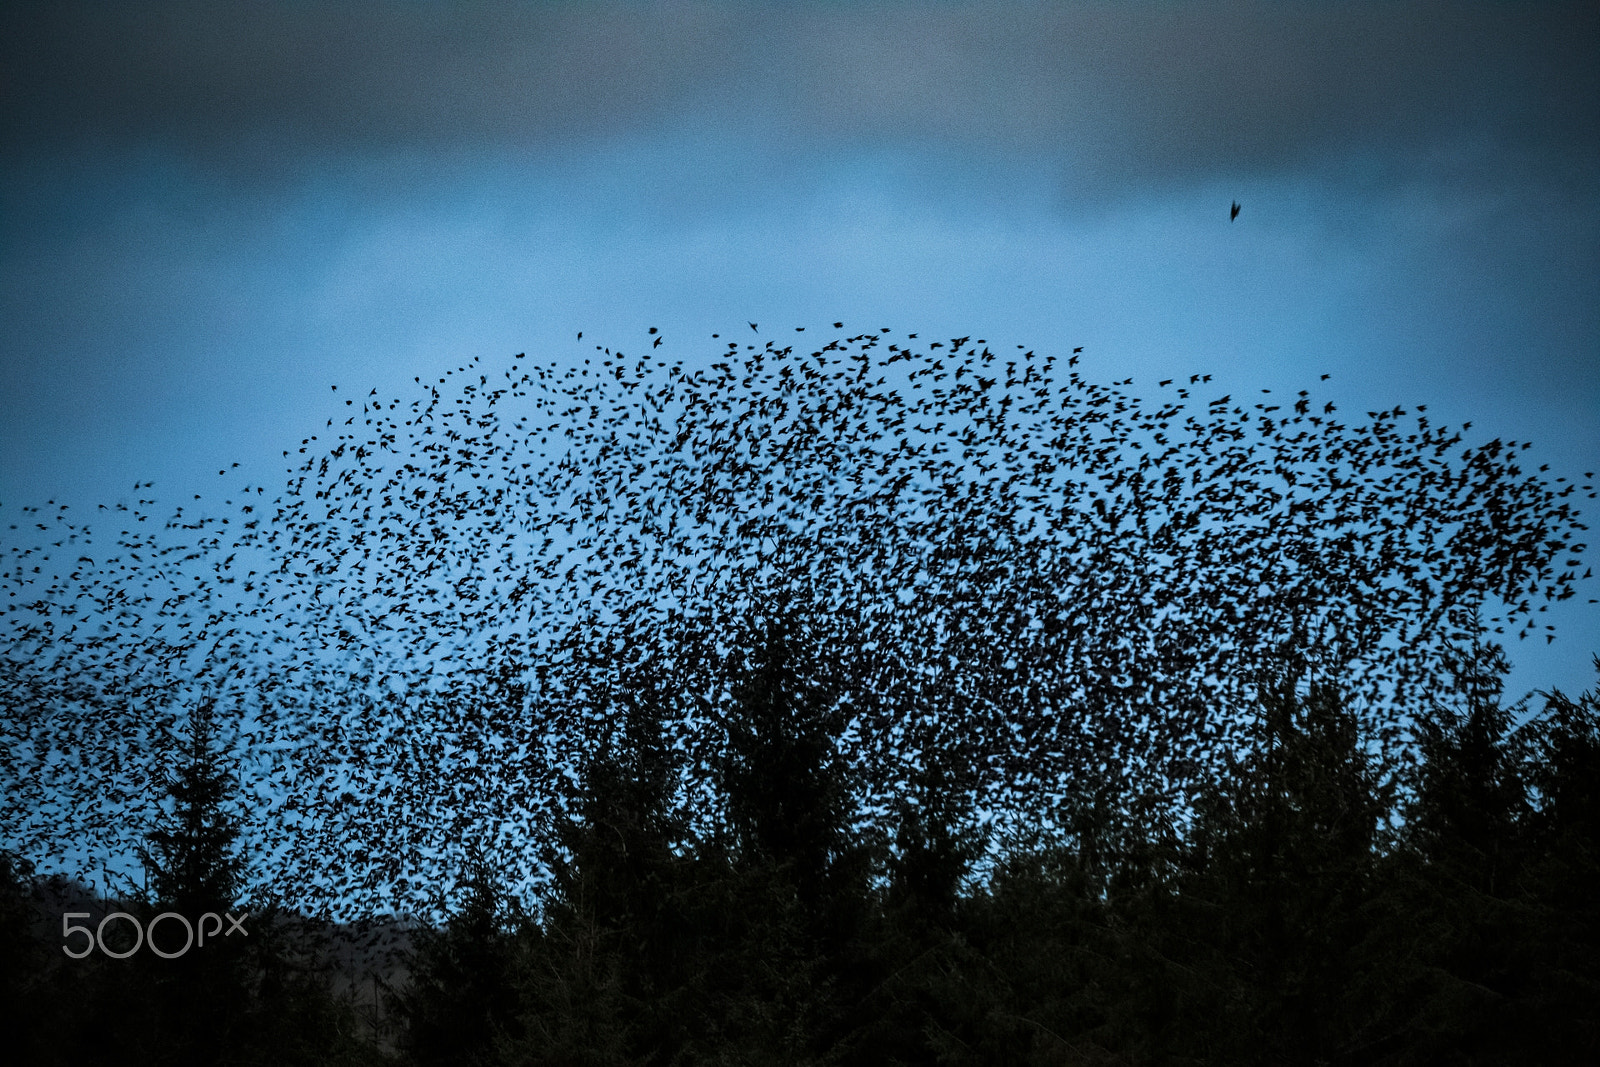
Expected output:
(23, 956)
(799, 877)
(460, 1001)
(195, 869)
(934, 848)
(612, 971)
(1471, 802)
(1282, 866)
(1560, 751)
(1456, 913)
(192, 859)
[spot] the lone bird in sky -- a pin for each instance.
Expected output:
(1235, 213)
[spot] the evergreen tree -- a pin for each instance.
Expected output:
(612, 972)
(1274, 914)
(256, 995)
(1471, 802)
(24, 960)
(801, 881)
(195, 868)
(1458, 915)
(192, 859)
(623, 843)
(934, 848)
(461, 1001)
(786, 797)
(915, 939)
(1560, 751)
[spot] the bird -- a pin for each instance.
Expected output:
(1235, 212)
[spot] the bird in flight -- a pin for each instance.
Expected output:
(1235, 213)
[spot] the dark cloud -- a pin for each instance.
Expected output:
(361, 74)
(1115, 92)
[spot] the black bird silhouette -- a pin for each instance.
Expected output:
(1235, 212)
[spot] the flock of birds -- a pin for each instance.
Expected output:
(1040, 580)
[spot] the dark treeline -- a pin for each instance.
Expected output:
(1316, 909)
(1293, 922)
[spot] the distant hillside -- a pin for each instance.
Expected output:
(359, 958)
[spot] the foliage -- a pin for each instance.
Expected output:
(192, 862)
(458, 1000)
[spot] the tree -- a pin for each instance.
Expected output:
(24, 1002)
(193, 861)
(786, 794)
(1560, 749)
(195, 869)
(935, 848)
(1274, 906)
(460, 1001)
(613, 971)
(1560, 754)
(1471, 803)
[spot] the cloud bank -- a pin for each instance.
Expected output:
(1120, 94)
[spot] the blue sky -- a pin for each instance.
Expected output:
(208, 215)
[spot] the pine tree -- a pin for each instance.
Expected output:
(1560, 752)
(461, 1000)
(612, 971)
(785, 795)
(799, 878)
(24, 958)
(195, 868)
(934, 849)
(1282, 865)
(1457, 913)
(1471, 802)
(192, 859)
